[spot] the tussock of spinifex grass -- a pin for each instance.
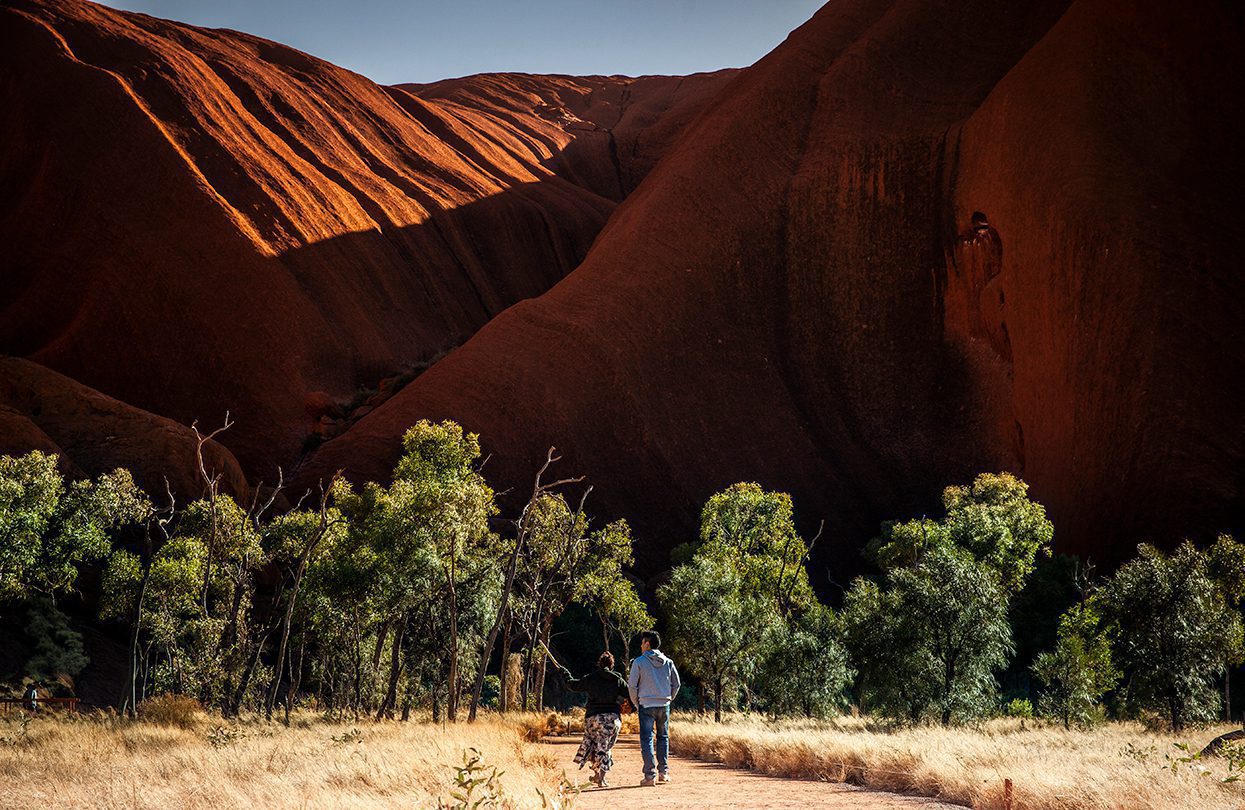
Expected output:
(213, 764)
(1118, 765)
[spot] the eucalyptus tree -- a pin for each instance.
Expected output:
(717, 623)
(930, 638)
(605, 587)
(294, 540)
(744, 581)
(993, 519)
(1079, 670)
(804, 670)
(513, 553)
(1175, 626)
(49, 527)
(430, 536)
(754, 530)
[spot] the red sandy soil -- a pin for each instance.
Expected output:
(200, 220)
(698, 785)
(795, 295)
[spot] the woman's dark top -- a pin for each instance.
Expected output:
(606, 689)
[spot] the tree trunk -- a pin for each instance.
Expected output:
(503, 699)
(395, 671)
(296, 676)
(1227, 692)
(138, 620)
(487, 653)
(525, 681)
(358, 666)
(717, 701)
(546, 628)
(451, 703)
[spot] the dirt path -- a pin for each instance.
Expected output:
(697, 785)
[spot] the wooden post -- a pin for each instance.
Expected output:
(1007, 794)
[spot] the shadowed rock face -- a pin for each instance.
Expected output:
(200, 220)
(94, 434)
(797, 294)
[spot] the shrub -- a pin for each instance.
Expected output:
(1018, 707)
(171, 710)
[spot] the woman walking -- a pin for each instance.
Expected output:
(607, 691)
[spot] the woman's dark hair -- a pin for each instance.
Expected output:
(606, 661)
(654, 639)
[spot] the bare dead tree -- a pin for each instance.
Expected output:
(211, 490)
(324, 525)
(523, 526)
(157, 523)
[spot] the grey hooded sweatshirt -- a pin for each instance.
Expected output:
(654, 680)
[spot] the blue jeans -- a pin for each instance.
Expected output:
(655, 719)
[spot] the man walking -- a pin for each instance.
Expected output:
(653, 684)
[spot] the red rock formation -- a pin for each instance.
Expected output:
(788, 297)
(95, 434)
(199, 220)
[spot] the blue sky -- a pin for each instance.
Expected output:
(423, 40)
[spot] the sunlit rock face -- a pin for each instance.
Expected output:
(197, 220)
(799, 292)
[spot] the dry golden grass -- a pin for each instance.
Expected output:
(535, 727)
(1119, 765)
(113, 763)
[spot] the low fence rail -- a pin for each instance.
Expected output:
(68, 704)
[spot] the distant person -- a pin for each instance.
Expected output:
(606, 692)
(653, 683)
(30, 700)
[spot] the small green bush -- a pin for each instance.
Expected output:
(1019, 707)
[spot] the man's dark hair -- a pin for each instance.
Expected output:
(606, 660)
(653, 637)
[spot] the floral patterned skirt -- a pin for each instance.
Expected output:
(600, 734)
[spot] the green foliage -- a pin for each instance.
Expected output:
(740, 608)
(993, 519)
(491, 693)
(57, 652)
(1036, 610)
(603, 585)
(476, 785)
(1175, 627)
(755, 530)
(48, 528)
(1018, 707)
(805, 669)
(717, 626)
(1079, 670)
(931, 641)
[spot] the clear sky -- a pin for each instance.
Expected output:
(391, 41)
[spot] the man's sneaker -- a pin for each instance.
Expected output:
(663, 778)
(647, 781)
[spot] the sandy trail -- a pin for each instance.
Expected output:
(707, 785)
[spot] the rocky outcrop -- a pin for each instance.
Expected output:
(797, 294)
(200, 220)
(94, 434)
